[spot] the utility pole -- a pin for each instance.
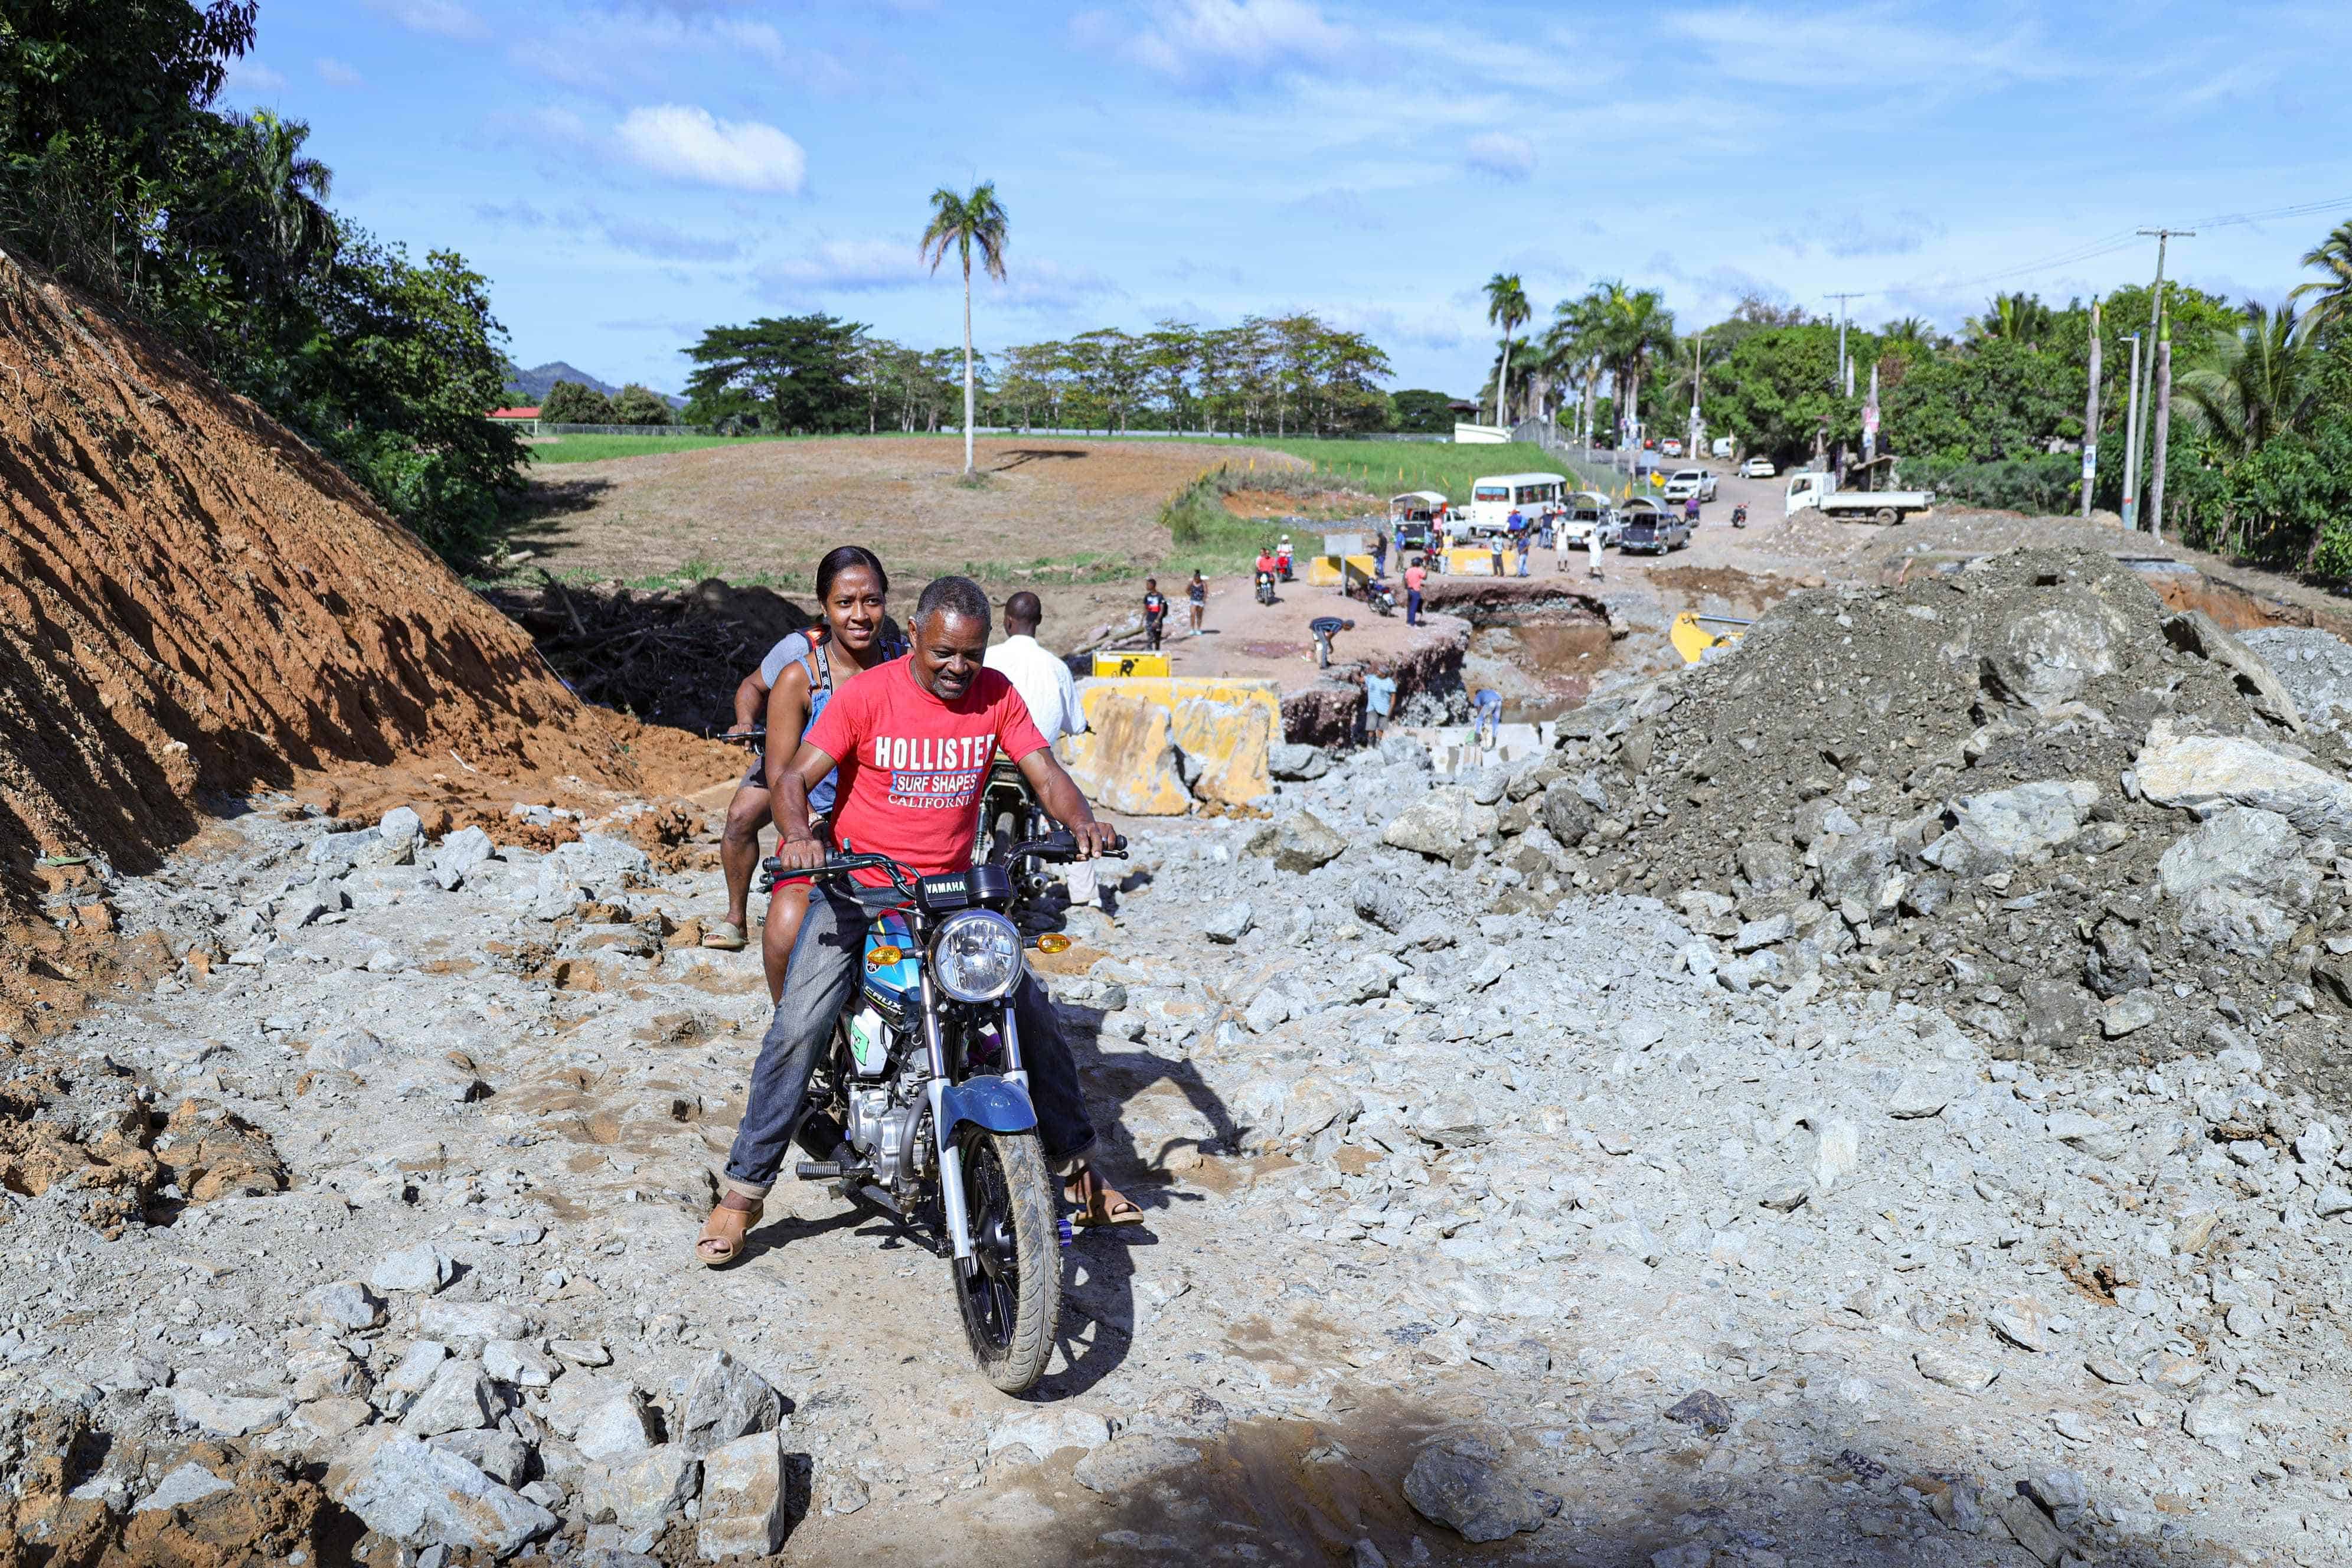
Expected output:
(2131, 442)
(1846, 370)
(2163, 427)
(2091, 415)
(2154, 309)
(1699, 346)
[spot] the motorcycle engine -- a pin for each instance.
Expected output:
(869, 1114)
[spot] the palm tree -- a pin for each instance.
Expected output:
(1639, 326)
(2258, 381)
(1910, 330)
(1506, 307)
(963, 222)
(1573, 347)
(2019, 317)
(2332, 312)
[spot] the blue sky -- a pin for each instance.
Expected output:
(628, 174)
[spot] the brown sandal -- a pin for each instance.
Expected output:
(1099, 1202)
(726, 1227)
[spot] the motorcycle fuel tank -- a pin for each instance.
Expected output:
(892, 983)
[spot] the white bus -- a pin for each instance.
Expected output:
(1493, 498)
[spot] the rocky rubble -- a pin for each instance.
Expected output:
(1496, 1203)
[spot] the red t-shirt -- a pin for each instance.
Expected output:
(910, 765)
(1415, 576)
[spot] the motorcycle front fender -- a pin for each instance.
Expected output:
(998, 1104)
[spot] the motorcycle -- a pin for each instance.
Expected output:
(1378, 596)
(1740, 516)
(1266, 587)
(924, 1104)
(1009, 815)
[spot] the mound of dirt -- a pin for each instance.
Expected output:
(667, 655)
(194, 606)
(2025, 790)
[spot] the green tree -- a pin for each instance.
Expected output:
(575, 403)
(393, 386)
(2332, 311)
(964, 223)
(1776, 391)
(792, 374)
(2260, 380)
(638, 404)
(1506, 307)
(1422, 412)
(1997, 398)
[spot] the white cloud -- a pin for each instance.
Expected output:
(1854, 233)
(687, 143)
(338, 74)
(1894, 49)
(1501, 154)
(251, 79)
(1214, 45)
(446, 18)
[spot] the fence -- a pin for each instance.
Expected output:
(542, 427)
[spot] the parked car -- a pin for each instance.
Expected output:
(1650, 528)
(1672, 447)
(1721, 449)
(1688, 482)
(1587, 509)
(1757, 468)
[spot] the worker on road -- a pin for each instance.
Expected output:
(1592, 551)
(1486, 716)
(1415, 576)
(1324, 628)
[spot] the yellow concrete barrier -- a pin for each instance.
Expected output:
(1136, 726)
(1117, 664)
(1326, 571)
(1468, 560)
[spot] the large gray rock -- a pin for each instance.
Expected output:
(1994, 830)
(423, 1266)
(2241, 879)
(2196, 631)
(726, 1401)
(2204, 773)
(421, 1496)
(2047, 655)
(472, 1320)
(619, 1428)
(345, 1306)
(1290, 761)
(744, 1502)
(1300, 842)
(1385, 904)
(1565, 814)
(460, 855)
(1470, 1497)
(1046, 1432)
(638, 1492)
(605, 866)
(458, 1399)
(1445, 820)
(1227, 922)
(184, 1487)
(225, 1415)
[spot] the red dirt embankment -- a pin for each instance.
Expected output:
(194, 605)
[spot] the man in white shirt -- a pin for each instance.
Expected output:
(1045, 684)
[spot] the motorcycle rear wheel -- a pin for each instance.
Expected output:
(1009, 1291)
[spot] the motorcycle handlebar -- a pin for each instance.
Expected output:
(1063, 845)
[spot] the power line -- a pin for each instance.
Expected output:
(2105, 245)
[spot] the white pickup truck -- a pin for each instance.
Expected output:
(1811, 488)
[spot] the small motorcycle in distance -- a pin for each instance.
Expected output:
(923, 1104)
(1266, 587)
(1740, 516)
(1380, 596)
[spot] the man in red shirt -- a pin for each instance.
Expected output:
(1415, 576)
(912, 739)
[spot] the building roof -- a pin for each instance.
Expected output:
(532, 412)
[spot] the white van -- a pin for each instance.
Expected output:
(1493, 498)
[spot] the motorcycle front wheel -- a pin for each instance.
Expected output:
(1010, 1291)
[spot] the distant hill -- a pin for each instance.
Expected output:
(532, 385)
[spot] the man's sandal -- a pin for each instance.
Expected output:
(721, 1241)
(724, 935)
(1099, 1202)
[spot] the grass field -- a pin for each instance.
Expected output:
(1390, 467)
(599, 448)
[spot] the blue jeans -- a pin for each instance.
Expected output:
(817, 980)
(1412, 606)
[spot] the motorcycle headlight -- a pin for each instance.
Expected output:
(976, 957)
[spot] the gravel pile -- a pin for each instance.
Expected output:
(2022, 790)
